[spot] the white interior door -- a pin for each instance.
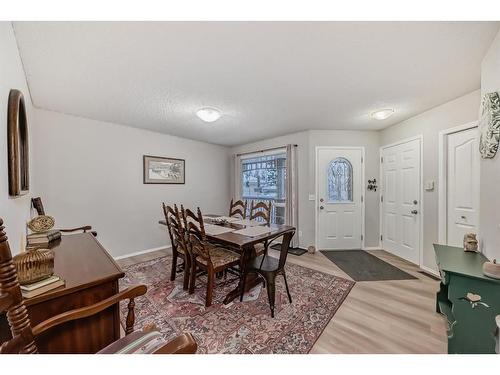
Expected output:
(401, 200)
(340, 184)
(462, 185)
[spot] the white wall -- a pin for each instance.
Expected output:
(91, 172)
(490, 168)
(14, 211)
(456, 112)
(307, 142)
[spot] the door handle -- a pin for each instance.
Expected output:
(463, 217)
(414, 212)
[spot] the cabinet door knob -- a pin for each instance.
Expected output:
(414, 212)
(321, 207)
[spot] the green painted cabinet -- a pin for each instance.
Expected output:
(471, 324)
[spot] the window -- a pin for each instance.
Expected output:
(263, 178)
(340, 180)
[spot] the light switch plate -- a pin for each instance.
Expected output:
(429, 185)
(312, 197)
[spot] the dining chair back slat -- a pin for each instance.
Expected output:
(261, 211)
(178, 242)
(238, 208)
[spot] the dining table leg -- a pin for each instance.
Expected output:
(252, 279)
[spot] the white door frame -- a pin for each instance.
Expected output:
(419, 137)
(316, 189)
(442, 178)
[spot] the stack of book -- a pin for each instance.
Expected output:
(35, 289)
(43, 238)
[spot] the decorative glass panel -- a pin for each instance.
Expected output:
(340, 180)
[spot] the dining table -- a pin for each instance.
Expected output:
(241, 243)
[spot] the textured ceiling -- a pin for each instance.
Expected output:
(268, 78)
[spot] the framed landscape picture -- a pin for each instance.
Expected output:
(160, 170)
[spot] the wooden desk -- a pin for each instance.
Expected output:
(470, 327)
(91, 275)
(245, 246)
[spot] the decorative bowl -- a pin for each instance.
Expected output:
(41, 223)
(34, 265)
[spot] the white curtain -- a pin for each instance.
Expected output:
(292, 197)
(237, 177)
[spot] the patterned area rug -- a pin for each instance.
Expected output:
(239, 327)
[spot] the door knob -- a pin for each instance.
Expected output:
(415, 202)
(321, 200)
(414, 212)
(321, 207)
(463, 217)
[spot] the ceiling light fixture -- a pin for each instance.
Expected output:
(382, 114)
(208, 114)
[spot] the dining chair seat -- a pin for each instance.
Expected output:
(264, 263)
(220, 257)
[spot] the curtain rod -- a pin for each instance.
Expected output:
(263, 150)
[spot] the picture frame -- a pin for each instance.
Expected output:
(163, 170)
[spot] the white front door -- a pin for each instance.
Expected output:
(340, 185)
(401, 200)
(462, 180)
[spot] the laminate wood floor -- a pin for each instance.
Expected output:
(377, 316)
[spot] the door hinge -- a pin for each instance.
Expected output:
(361, 199)
(361, 160)
(382, 198)
(361, 237)
(381, 159)
(381, 237)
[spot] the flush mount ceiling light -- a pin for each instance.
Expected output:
(382, 114)
(208, 114)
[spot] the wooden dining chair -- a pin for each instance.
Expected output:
(24, 336)
(38, 206)
(261, 211)
(269, 268)
(238, 209)
(209, 257)
(178, 242)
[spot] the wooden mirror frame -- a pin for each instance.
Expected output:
(18, 147)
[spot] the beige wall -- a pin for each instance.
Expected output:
(490, 168)
(14, 211)
(456, 112)
(307, 142)
(90, 172)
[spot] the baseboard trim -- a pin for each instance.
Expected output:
(371, 248)
(430, 271)
(142, 252)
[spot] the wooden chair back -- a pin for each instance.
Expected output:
(195, 233)
(261, 211)
(12, 303)
(238, 208)
(175, 227)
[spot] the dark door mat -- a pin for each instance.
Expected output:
(363, 266)
(291, 250)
